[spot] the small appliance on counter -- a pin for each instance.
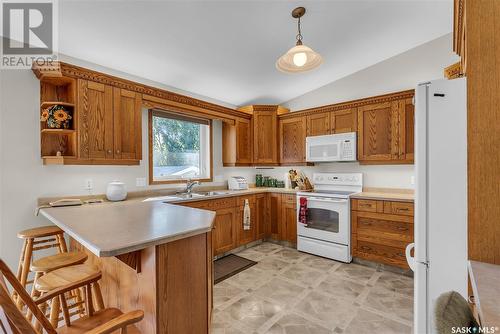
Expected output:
(116, 191)
(237, 183)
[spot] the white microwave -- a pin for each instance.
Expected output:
(336, 147)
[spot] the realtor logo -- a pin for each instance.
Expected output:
(28, 33)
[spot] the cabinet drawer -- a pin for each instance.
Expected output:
(289, 198)
(399, 208)
(368, 205)
(382, 253)
(241, 200)
(223, 203)
(384, 229)
(199, 205)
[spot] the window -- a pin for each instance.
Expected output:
(180, 148)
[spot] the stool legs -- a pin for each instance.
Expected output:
(54, 311)
(28, 252)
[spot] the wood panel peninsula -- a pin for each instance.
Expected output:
(153, 256)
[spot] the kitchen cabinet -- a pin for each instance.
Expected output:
(224, 232)
(274, 213)
(127, 106)
(344, 120)
(109, 124)
(246, 236)
(292, 140)
(289, 219)
(265, 137)
(237, 143)
(380, 230)
(318, 124)
(385, 132)
(260, 215)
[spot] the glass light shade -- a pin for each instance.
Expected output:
(300, 58)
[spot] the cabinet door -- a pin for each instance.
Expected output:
(406, 130)
(246, 236)
(260, 215)
(265, 137)
(318, 125)
(95, 120)
(127, 124)
(293, 140)
(225, 230)
(243, 141)
(289, 222)
(344, 120)
(274, 216)
(378, 132)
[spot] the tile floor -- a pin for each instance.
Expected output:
(289, 292)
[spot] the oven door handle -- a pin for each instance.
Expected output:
(318, 199)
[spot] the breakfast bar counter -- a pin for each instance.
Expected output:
(154, 256)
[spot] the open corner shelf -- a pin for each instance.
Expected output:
(59, 131)
(53, 103)
(58, 160)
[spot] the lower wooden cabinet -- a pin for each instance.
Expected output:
(260, 215)
(381, 230)
(224, 232)
(246, 236)
(289, 222)
(273, 216)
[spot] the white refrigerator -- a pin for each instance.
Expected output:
(440, 249)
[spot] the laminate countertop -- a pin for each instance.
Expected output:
(110, 229)
(387, 194)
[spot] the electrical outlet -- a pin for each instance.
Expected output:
(140, 182)
(412, 180)
(89, 184)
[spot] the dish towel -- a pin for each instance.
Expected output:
(246, 216)
(303, 211)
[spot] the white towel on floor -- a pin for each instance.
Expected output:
(246, 216)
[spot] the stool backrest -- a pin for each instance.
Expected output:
(12, 319)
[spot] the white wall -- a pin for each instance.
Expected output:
(23, 178)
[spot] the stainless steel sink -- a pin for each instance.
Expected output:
(186, 196)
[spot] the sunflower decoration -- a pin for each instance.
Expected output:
(57, 117)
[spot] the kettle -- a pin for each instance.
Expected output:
(116, 191)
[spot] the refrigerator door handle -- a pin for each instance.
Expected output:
(410, 259)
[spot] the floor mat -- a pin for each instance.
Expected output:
(230, 265)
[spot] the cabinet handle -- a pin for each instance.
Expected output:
(402, 228)
(402, 209)
(366, 248)
(117, 151)
(109, 151)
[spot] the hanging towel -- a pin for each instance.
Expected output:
(246, 216)
(303, 211)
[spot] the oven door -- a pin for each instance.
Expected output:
(327, 219)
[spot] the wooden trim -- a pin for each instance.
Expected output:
(453, 71)
(180, 117)
(458, 22)
(150, 156)
(352, 104)
(58, 69)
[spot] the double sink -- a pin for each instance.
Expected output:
(187, 196)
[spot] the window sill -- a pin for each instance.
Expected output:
(178, 181)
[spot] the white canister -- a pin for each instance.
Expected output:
(116, 191)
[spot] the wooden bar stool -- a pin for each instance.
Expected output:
(104, 321)
(36, 239)
(48, 264)
(66, 276)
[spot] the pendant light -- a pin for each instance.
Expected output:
(300, 58)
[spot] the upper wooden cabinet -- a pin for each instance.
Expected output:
(292, 140)
(109, 124)
(385, 132)
(265, 137)
(127, 108)
(237, 144)
(318, 124)
(344, 120)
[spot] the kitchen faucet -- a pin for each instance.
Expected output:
(190, 184)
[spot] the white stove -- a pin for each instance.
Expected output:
(326, 230)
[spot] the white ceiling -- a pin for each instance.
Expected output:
(226, 50)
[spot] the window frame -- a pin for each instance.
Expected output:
(155, 112)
